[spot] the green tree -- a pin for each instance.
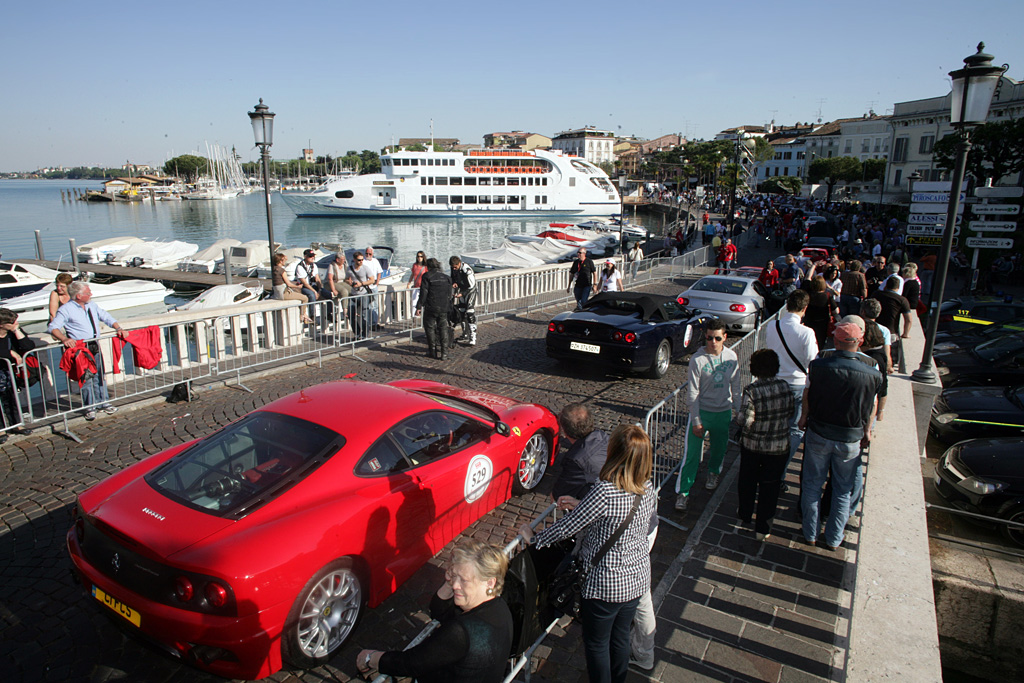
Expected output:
(834, 170)
(783, 184)
(763, 150)
(418, 147)
(188, 167)
(608, 167)
(997, 150)
(369, 161)
(874, 169)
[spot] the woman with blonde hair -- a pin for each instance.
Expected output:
(283, 287)
(59, 296)
(474, 640)
(620, 502)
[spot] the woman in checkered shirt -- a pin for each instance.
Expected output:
(613, 587)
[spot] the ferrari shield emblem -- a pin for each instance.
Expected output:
(517, 431)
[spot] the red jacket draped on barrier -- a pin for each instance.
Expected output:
(76, 361)
(146, 347)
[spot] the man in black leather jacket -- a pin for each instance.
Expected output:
(435, 298)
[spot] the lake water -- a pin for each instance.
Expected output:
(28, 205)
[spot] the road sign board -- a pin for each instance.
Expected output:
(930, 229)
(993, 226)
(936, 186)
(934, 197)
(999, 192)
(940, 207)
(927, 241)
(996, 209)
(989, 242)
(931, 219)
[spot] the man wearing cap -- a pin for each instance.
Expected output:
(308, 275)
(838, 403)
(581, 277)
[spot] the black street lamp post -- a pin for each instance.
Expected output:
(973, 88)
(263, 131)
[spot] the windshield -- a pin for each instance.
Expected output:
(246, 464)
(1016, 395)
(1000, 348)
(721, 285)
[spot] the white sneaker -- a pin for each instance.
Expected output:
(712, 482)
(90, 415)
(682, 502)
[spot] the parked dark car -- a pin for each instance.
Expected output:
(986, 477)
(824, 242)
(976, 334)
(978, 412)
(967, 312)
(627, 331)
(998, 363)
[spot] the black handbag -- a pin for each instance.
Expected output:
(566, 588)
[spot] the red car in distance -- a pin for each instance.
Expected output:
(262, 542)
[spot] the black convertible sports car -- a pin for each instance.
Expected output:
(998, 362)
(627, 331)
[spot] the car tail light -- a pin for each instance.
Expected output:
(183, 589)
(738, 308)
(682, 301)
(616, 335)
(561, 328)
(215, 594)
(551, 327)
(629, 337)
(556, 327)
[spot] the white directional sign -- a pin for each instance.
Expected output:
(937, 197)
(931, 218)
(939, 207)
(999, 192)
(930, 230)
(994, 209)
(989, 242)
(993, 226)
(936, 186)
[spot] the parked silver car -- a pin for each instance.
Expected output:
(737, 299)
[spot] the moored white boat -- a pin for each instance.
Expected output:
(21, 278)
(483, 183)
(97, 252)
(160, 255)
(225, 295)
(207, 260)
(34, 307)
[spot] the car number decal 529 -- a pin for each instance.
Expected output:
(478, 477)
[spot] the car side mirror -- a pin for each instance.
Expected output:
(502, 428)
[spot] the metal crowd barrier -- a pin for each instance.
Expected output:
(666, 422)
(523, 659)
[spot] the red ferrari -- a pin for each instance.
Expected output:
(262, 543)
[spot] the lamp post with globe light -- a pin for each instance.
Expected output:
(262, 120)
(973, 89)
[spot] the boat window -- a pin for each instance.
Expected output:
(470, 199)
(441, 199)
(603, 184)
(457, 199)
(430, 199)
(414, 162)
(572, 182)
(441, 181)
(344, 194)
(513, 181)
(497, 181)
(469, 181)
(455, 181)
(484, 181)
(499, 199)
(241, 295)
(485, 199)
(423, 199)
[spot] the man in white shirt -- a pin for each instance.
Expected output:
(374, 267)
(790, 333)
(894, 274)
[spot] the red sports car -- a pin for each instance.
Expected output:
(262, 542)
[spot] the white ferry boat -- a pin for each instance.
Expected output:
(482, 183)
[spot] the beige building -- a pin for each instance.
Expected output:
(517, 139)
(592, 144)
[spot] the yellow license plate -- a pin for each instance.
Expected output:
(118, 606)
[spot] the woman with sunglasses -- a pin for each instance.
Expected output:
(416, 272)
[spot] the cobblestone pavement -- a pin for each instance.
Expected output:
(730, 609)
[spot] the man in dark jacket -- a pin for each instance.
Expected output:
(581, 277)
(435, 298)
(586, 455)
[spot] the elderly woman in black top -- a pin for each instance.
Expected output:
(614, 586)
(474, 640)
(13, 343)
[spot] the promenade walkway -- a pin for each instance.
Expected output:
(729, 608)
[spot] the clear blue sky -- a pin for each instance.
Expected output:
(94, 84)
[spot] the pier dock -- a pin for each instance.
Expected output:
(170, 277)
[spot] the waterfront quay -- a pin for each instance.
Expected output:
(729, 608)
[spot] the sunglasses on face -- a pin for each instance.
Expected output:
(359, 260)
(714, 338)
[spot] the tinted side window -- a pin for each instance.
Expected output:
(381, 458)
(432, 435)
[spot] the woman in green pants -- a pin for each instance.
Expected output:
(712, 390)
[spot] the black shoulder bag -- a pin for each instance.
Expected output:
(566, 589)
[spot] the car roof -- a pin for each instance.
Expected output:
(648, 304)
(324, 404)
